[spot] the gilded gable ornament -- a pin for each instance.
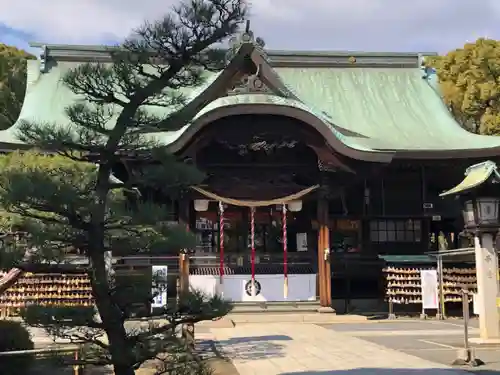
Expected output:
(248, 84)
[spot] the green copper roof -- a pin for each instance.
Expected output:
(394, 108)
(475, 175)
(372, 109)
(47, 97)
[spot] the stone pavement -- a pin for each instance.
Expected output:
(308, 349)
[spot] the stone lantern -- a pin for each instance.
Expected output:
(479, 193)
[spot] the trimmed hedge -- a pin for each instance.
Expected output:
(14, 336)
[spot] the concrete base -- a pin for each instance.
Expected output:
(326, 310)
(467, 357)
(423, 316)
(479, 341)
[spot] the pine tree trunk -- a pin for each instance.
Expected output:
(122, 356)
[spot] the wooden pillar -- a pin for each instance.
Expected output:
(320, 254)
(324, 270)
(183, 273)
(328, 270)
(184, 219)
(187, 330)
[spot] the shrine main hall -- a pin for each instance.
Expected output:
(317, 164)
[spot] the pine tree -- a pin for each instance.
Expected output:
(69, 199)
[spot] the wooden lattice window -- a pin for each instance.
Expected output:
(398, 230)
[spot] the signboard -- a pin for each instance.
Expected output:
(301, 241)
(429, 285)
(160, 289)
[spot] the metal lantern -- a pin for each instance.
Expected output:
(481, 212)
(295, 206)
(201, 205)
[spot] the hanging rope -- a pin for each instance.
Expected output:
(221, 243)
(250, 203)
(252, 244)
(285, 254)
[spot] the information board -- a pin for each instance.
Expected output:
(160, 286)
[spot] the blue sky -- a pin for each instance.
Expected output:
(369, 25)
(15, 37)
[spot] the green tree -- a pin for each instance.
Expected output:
(470, 83)
(12, 83)
(73, 202)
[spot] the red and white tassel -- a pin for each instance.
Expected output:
(285, 254)
(252, 245)
(221, 245)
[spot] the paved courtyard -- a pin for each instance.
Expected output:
(308, 349)
(436, 341)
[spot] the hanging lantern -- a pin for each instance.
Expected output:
(295, 206)
(201, 205)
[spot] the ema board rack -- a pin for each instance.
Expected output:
(403, 284)
(48, 290)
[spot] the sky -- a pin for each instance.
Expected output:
(352, 25)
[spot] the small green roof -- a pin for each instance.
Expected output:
(413, 259)
(475, 176)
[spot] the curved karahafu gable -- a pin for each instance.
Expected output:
(369, 107)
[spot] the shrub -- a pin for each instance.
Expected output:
(14, 336)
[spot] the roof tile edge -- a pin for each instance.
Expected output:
(277, 58)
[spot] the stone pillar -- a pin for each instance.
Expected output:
(487, 284)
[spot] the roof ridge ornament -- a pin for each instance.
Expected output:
(44, 55)
(247, 37)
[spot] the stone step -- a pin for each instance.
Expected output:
(281, 307)
(232, 320)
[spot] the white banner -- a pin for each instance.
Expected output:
(429, 285)
(160, 286)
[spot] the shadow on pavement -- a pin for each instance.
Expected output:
(396, 371)
(252, 348)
